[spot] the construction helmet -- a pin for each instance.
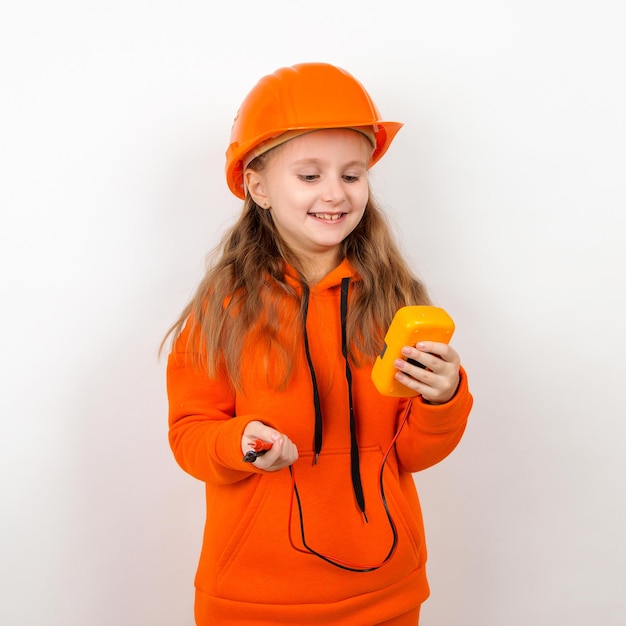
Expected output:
(304, 97)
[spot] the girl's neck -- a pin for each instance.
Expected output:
(316, 269)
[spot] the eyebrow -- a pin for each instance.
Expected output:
(313, 161)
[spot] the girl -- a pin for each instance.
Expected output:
(312, 512)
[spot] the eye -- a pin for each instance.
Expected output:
(350, 178)
(308, 178)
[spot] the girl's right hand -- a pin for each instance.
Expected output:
(282, 454)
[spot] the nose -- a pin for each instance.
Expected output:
(333, 191)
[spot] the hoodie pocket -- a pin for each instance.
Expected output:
(246, 548)
(258, 563)
(335, 526)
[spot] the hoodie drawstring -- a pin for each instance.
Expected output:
(316, 394)
(355, 465)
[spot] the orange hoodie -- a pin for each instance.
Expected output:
(249, 572)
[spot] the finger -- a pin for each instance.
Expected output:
(411, 372)
(267, 433)
(282, 454)
(426, 373)
(416, 359)
(436, 384)
(434, 388)
(274, 453)
(410, 382)
(258, 430)
(266, 460)
(422, 357)
(441, 350)
(289, 453)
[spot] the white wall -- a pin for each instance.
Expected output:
(508, 185)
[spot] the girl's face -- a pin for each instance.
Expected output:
(316, 187)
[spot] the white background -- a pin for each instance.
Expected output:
(507, 186)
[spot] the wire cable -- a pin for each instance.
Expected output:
(346, 565)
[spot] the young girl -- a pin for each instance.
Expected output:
(312, 512)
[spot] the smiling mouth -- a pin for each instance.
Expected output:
(329, 217)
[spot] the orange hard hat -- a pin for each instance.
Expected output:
(307, 96)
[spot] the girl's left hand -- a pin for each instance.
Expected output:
(438, 380)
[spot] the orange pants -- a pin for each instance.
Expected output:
(202, 613)
(411, 618)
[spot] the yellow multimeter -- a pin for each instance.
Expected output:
(409, 325)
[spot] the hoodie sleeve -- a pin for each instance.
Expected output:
(204, 433)
(433, 431)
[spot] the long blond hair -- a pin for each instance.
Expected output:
(244, 290)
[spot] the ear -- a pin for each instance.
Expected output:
(255, 185)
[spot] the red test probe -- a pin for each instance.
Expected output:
(259, 447)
